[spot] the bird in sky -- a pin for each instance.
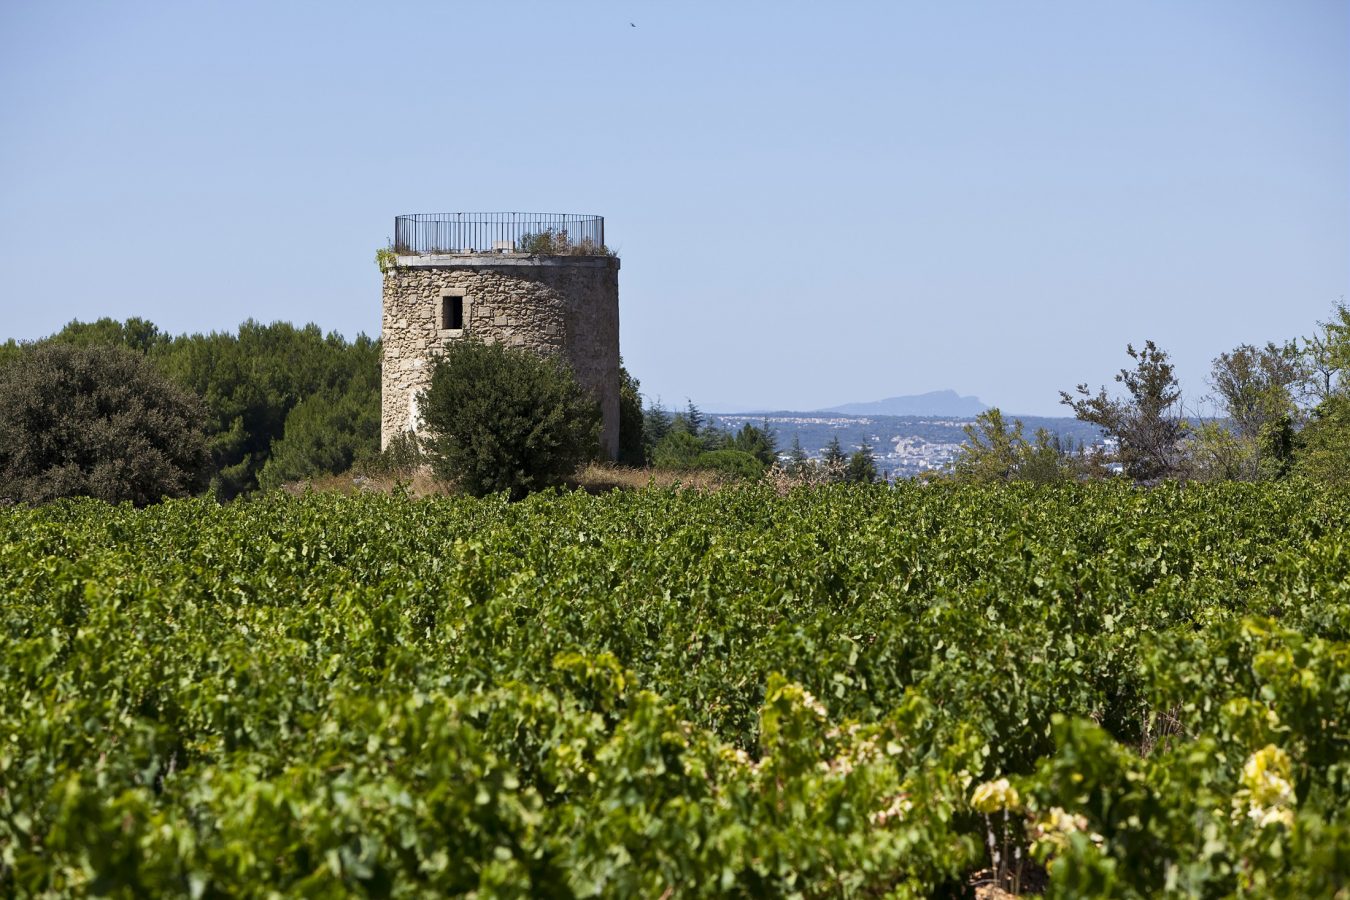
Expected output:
(630, 23)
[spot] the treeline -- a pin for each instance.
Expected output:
(120, 410)
(688, 440)
(278, 402)
(271, 404)
(1279, 410)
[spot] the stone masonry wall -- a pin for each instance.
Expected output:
(565, 305)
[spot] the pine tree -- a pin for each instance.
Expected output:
(834, 459)
(693, 418)
(656, 424)
(759, 442)
(797, 458)
(862, 466)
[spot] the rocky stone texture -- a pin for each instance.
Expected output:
(566, 305)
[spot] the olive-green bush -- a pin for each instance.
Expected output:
(505, 419)
(96, 421)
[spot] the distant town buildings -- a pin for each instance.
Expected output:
(904, 446)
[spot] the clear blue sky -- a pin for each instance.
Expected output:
(815, 203)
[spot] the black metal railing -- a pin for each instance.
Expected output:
(542, 233)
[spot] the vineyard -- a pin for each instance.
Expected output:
(845, 691)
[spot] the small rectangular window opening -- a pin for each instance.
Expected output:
(452, 313)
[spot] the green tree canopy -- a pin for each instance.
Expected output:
(135, 333)
(249, 383)
(834, 454)
(798, 461)
(505, 419)
(96, 421)
(656, 424)
(691, 419)
(1327, 355)
(252, 380)
(1323, 447)
(678, 450)
(862, 466)
(327, 432)
(996, 451)
(757, 440)
(632, 443)
(1147, 422)
(1255, 385)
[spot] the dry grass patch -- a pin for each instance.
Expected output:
(597, 478)
(594, 478)
(420, 483)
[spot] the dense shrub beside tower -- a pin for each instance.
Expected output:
(505, 419)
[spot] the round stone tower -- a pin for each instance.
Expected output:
(544, 282)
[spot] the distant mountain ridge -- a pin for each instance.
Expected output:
(933, 403)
